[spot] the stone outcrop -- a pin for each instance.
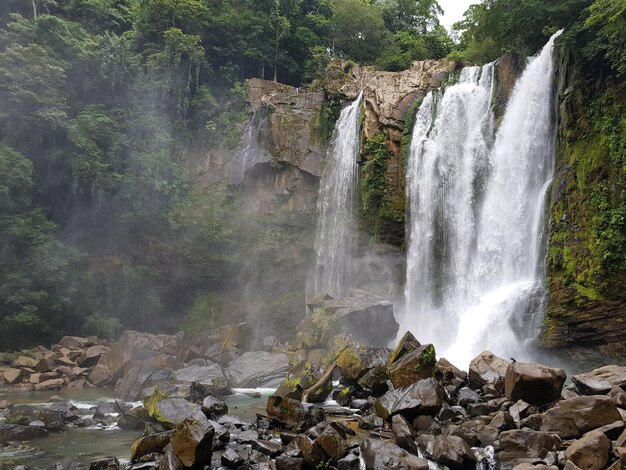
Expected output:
(533, 383)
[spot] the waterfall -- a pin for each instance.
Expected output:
(249, 149)
(475, 271)
(335, 235)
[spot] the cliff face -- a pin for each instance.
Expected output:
(586, 310)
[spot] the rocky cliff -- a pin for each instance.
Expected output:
(586, 311)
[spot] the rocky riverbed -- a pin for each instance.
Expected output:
(330, 402)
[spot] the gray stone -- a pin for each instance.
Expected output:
(258, 369)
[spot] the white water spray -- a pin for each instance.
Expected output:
(335, 238)
(475, 268)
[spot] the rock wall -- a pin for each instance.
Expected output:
(586, 309)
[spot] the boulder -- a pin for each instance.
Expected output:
(366, 317)
(383, 455)
(525, 446)
(192, 443)
(287, 462)
(355, 362)
(371, 422)
(447, 372)
(50, 384)
(408, 343)
(600, 381)
(170, 412)
(92, 355)
(423, 397)
(135, 377)
(415, 365)
(591, 452)
(487, 368)
(533, 383)
(258, 369)
(574, 417)
(24, 361)
(293, 412)
(212, 406)
(148, 444)
(302, 377)
(210, 375)
(618, 395)
(18, 432)
(453, 452)
(70, 342)
(12, 375)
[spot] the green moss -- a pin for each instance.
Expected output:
(382, 203)
(331, 109)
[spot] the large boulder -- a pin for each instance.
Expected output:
(258, 369)
(600, 381)
(192, 443)
(423, 397)
(525, 446)
(451, 451)
(575, 416)
(366, 317)
(411, 366)
(170, 412)
(18, 432)
(301, 378)
(533, 383)
(210, 375)
(591, 452)
(135, 376)
(293, 412)
(355, 362)
(487, 368)
(383, 455)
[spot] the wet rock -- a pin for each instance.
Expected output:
(355, 362)
(135, 376)
(360, 404)
(231, 459)
(107, 463)
(92, 355)
(258, 369)
(447, 372)
(407, 344)
(371, 422)
(600, 381)
(18, 432)
(292, 412)
(302, 377)
(533, 383)
(423, 397)
(204, 374)
(524, 446)
(453, 452)
(519, 410)
(574, 417)
(413, 366)
(212, 406)
(170, 412)
(487, 368)
(467, 396)
(399, 425)
(375, 380)
(192, 443)
(133, 419)
(303, 446)
(382, 455)
(591, 452)
(269, 448)
(530, 466)
(349, 462)
(144, 445)
(332, 442)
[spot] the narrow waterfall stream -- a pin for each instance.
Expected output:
(335, 235)
(475, 271)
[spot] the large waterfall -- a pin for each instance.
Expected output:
(475, 271)
(335, 236)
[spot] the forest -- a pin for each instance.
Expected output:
(107, 106)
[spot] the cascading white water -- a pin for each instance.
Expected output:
(475, 261)
(250, 150)
(335, 235)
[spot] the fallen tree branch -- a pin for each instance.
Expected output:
(325, 378)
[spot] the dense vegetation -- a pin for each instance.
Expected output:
(108, 105)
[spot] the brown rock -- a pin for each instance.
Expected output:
(100, 375)
(423, 397)
(533, 383)
(192, 443)
(416, 365)
(600, 381)
(24, 361)
(523, 446)
(487, 368)
(52, 384)
(591, 452)
(574, 417)
(12, 375)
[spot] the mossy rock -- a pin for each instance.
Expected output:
(293, 412)
(170, 412)
(144, 445)
(416, 365)
(303, 377)
(355, 362)
(407, 344)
